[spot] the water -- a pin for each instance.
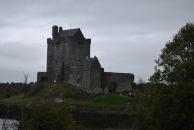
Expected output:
(9, 124)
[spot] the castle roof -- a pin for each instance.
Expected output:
(70, 32)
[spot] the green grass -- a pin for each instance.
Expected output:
(109, 101)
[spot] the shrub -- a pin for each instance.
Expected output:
(50, 117)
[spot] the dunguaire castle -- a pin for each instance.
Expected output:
(69, 61)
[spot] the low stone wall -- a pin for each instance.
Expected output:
(10, 112)
(106, 120)
(122, 81)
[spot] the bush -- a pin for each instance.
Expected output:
(169, 108)
(50, 117)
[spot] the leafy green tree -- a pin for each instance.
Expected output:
(176, 61)
(171, 108)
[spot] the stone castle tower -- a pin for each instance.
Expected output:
(68, 60)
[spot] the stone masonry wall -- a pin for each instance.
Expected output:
(123, 81)
(95, 85)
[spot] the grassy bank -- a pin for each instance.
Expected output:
(72, 97)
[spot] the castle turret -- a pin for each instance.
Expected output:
(55, 31)
(60, 29)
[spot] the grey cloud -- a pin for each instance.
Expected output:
(15, 75)
(21, 52)
(17, 58)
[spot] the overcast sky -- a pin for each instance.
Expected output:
(127, 35)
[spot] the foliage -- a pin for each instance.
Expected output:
(169, 103)
(176, 61)
(50, 117)
(11, 89)
(169, 108)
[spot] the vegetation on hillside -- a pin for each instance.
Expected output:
(72, 97)
(50, 117)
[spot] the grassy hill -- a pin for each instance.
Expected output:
(70, 96)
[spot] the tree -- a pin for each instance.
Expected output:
(176, 62)
(171, 108)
